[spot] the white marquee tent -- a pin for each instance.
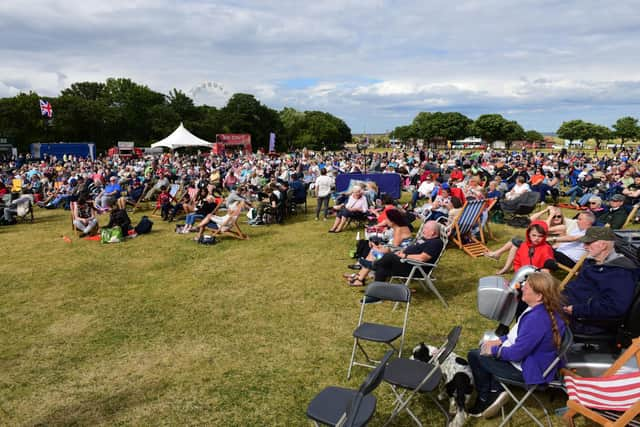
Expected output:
(180, 138)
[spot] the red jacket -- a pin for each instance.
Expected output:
(528, 254)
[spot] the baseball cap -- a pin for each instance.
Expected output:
(598, 233)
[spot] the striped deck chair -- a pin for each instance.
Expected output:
(464, 225)
(610, 400)
(174, 192)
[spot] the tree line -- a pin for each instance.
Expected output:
(438, 127)
(122, 110)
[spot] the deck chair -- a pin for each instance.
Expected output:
(137, 203)
(228, 228)
(571, 271)
(378, 332)
(488, 205)
(567, 341)
(416, 377)
(174, 192)
(632, 215)
(463, 227)
(337, 406)
(422, 271)
(609, 400)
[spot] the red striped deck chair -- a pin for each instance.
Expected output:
(463, 228)
(610, 400)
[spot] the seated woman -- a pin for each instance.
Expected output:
(356, 207)
(523, 354)
(205, 208)
(397, 221)
(223, 223)
(84, 217)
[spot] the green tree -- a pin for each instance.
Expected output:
(245, 114)
(573, 130)
(20, 118)
(182, 105)
(600, 133)
(512, 132)
(533, 136)
(403, 133)
(626, 128)
(92, 91)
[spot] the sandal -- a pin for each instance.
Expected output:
(357, 283)
(491, 255)
(350, 276)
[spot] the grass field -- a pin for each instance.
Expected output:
(162, 331)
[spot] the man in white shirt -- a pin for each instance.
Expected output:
(323, 185)
(423, 192)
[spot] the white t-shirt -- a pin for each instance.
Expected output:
(323, 185)
(574, 250)
(426, 188)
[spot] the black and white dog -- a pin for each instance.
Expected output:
(458, 381)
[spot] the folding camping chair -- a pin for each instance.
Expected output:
(567, 340)
(464, 225)
(422, 271)
(633, 213)
(415, 376)
(609, 400)
(337, 406)
(136, 204)
(377, 332)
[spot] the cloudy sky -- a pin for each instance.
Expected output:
(374, 63)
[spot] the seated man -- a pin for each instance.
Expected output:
(110, 194)
(133, 196)
(605, 286)
(567, 248)
(426, 249)
(616, 216)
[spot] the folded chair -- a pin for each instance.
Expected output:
(422, 271)
(378, 332)
(337, 406)
(609, 400)
(463, 228)
(567, 340)
(517, 210)
(633, 213)
(417, 377)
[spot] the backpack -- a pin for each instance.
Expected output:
(144, 226)
(207, 240)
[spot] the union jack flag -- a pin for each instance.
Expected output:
(46, 109)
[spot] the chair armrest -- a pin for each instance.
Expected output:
(417, 263)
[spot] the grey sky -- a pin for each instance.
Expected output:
(373, 63)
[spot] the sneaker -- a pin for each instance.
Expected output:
(499, 401)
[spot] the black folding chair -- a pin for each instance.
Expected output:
(336, 406)
(567, 340)
(415, 376)
(376, 332)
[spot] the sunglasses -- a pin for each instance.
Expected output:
(557, 217)
(593, 203)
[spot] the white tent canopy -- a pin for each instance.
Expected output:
(181, 137)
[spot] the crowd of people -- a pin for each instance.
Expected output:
(602, 188)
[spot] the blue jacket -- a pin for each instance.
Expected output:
(602, 291)
(534, 347)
